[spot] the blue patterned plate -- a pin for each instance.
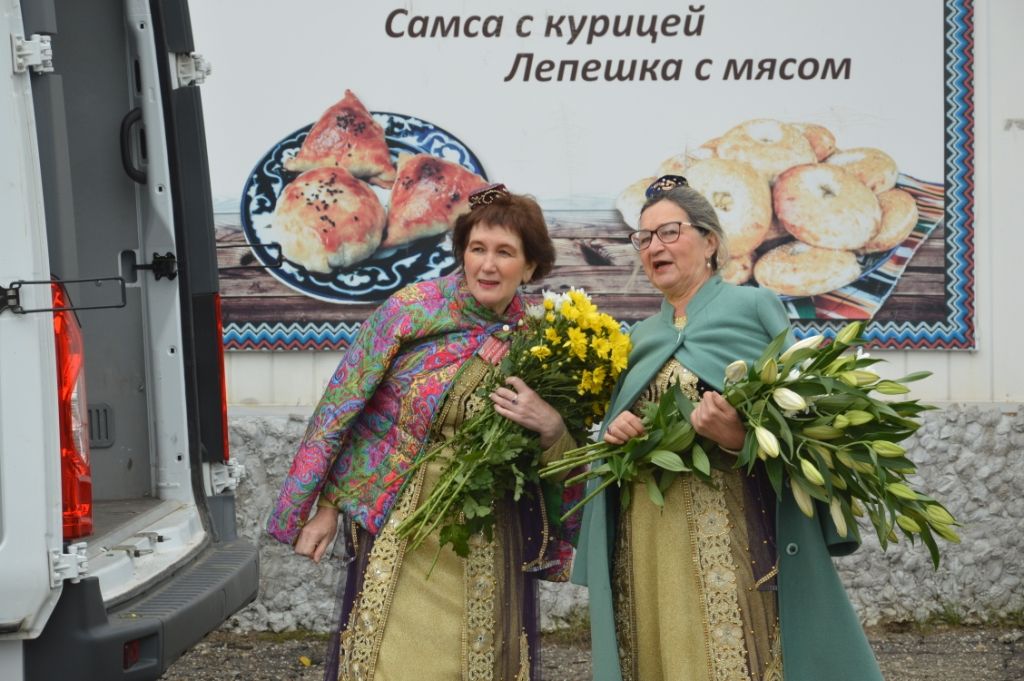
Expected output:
(386, 271)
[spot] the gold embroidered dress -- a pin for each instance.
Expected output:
(685, 583)
(463, 622)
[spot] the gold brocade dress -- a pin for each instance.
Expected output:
(687, 603)
(464, 622)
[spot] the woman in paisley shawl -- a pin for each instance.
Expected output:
(406, 382)
(700, 590)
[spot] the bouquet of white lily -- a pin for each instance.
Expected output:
(813, 423)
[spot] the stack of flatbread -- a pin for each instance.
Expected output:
(796, 211)
(329, 217)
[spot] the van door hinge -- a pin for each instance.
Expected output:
(33, 53)
(72, 565)
(165, 265)
(192, 68)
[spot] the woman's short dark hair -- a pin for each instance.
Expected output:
(521, 215)
(702, 214)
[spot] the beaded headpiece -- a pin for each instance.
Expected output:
(488, 195)
(663, 184)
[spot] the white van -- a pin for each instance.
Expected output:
(118, 548)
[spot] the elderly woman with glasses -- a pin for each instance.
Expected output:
(725, 582)
(408, 380)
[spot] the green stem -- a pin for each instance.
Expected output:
(600, 488)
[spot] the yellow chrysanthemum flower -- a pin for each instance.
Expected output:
(602, 347)
(577, 342)
(541, 352)
(586, 383)
(550, 317)
(590, 319)
(599, 375)
(570, 311)
(620, 358)
(549, 305)
(551, 334)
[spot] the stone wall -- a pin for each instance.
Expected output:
(971, 457)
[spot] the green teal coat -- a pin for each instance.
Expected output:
(821, 635)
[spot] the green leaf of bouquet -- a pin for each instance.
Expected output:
(915, 376)
(678, 437)
(784, 431)
(457, 536)
(682, 402)
(670, 461)
(644, 445)
(814, 490)
(748, 455)
(700, 460)
(774, 468)
(771, 351)
(654, 493)
(666, 479)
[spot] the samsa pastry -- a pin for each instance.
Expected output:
(326, 218)
(346, 136)
(429, 194)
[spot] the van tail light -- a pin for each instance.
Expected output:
(75, 471)
(223, 380)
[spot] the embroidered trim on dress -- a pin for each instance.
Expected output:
(717, 570)
(624, 601)
(362, 638)
(478, 629)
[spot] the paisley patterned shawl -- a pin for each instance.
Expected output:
(377, 409)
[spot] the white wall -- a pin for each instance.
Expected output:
(992, 373)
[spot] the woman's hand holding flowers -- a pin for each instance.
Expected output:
(624, 428)
(521, 404)
(716, 419)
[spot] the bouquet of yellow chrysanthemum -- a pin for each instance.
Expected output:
(570, 354)
(813, 424)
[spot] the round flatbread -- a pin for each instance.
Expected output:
(768, 145)
(873, 167)
(826, 206)
(799, 269)
(899, 217)
(741, 198)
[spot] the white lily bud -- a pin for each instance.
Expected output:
(736, 371)
(770, 372)
(810, 342)
(803, 500)
(767, 441)
(788, 400)
(835, 509)
(849, 332)
(811, 472)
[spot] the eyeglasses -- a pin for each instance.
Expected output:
(667, 233)
(665, 183)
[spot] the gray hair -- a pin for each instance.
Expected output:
(702, 216)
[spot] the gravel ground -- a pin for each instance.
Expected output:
(905, 653)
